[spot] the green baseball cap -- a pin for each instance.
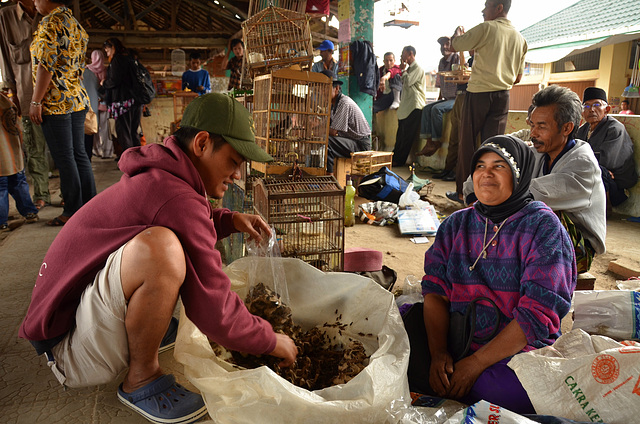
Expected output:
(220, 114)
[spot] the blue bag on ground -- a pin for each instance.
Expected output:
(384, 185)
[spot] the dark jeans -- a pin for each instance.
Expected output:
(65, 138)
(16, 186)
(342, 147)
(408, 134)
(484, 114)
(127, 127)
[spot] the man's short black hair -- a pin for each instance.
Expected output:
(625, 101)
(195, 55)
(389, 54)
(235, 42)
(410, 49)
(185, 135)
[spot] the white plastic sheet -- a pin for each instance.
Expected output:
(261, 396)
(583, 378)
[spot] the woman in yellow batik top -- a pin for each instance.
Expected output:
(60, 101)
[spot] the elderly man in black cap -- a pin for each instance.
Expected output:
(610, 143)
(433, 113)
(349, 130)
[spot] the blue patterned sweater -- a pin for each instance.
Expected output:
(529, 271)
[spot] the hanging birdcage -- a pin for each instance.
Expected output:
(276, 38)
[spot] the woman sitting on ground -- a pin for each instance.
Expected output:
(508, 249)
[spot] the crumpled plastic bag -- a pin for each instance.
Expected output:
(583, 378)
(261, 396)
(410, 198)
(378, 213)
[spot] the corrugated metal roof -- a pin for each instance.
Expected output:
(585, 20)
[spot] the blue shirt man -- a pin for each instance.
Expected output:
(194, 78)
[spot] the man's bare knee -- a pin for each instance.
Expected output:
(155, 254)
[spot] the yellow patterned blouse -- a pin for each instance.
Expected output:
(59, 45)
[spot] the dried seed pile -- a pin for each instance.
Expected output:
(323, 359)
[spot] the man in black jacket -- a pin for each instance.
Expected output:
(610, 143)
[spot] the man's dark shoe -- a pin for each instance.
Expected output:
(449, 177)
(452, 195)
(441, 174)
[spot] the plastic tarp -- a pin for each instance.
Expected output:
(261, 396)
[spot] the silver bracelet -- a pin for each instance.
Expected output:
(36, 103)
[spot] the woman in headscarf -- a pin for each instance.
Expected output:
(59, 101)
(101, 144)
(513, 253)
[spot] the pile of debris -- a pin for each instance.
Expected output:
(326, 354)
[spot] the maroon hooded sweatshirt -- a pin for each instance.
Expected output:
(160, 187)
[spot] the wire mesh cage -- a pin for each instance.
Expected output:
(291, 111)
(308, 216)
(256, 6)
(276, 38)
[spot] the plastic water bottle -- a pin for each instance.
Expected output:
(349, 204)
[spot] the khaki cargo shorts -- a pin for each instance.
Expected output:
(96, 350)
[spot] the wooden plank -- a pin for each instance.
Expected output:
(625, 268)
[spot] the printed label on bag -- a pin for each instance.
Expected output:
(605, 369)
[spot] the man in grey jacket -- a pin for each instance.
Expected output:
(566, 175)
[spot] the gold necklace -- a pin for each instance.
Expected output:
(483, 252)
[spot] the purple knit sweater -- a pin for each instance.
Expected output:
(529, 271)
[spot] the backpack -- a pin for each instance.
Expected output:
(143, 89)
(384, 185)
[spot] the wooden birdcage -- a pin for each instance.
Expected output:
(291, 111)
(256, 6)
(308, 216)
(275, 38)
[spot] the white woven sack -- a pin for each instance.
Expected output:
(583, 378)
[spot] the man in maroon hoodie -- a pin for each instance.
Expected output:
(105, 293)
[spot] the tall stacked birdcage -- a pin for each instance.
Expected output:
(308, 217)
(291, 111)
(276, 38)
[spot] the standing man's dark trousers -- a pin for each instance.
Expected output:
(342, 147)
(484, 114)
(408, 134)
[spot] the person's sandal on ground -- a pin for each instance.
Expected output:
(169, 339)
(165, 401)
(40, 204)
(452, 195)
(30, 218)
(58, 221)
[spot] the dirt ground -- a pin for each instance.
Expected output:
(407, 258)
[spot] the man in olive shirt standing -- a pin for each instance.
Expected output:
(498, 65)
(412, 100)
(17, 24)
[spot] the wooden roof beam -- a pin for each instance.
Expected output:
(108, 11)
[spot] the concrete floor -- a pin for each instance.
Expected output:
(29, 392)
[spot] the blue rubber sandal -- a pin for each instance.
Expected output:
(164, 401)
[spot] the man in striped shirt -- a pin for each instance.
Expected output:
(349, 130)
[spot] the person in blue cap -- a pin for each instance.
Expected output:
(326, 63)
